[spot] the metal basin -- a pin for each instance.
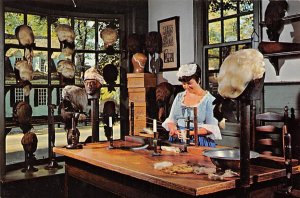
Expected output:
(227, 158)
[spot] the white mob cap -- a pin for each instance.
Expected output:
(187, 70)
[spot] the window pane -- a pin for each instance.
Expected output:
(85, 34)
(38, 25)
(12, 20)
(39, 96)
(40, 67)
(227, 50)
(108, 96)
(229, 7)
(246, 26)
(86, 42)
(55, 58)
(107, 59)
(83, 61)
(14, 149)
(245, 46)
(11, 57)
(214, 32)
(42, 96)
(214, 9)
(55, 22)
(213, 59)
(246, 5)
(230, 30)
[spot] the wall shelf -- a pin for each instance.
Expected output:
(286, 19)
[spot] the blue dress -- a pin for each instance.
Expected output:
(180, 112)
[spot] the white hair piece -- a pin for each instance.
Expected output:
(93, 74)
(187, 70)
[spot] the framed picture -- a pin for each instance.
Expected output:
(169, 30)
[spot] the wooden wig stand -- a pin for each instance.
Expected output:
(95, 115)
(251, 93)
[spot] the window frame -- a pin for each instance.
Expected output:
(201, 37)
(49, 49)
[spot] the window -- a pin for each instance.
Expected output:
(89, 51)
(42, 96)
(230, 24)
(19, 95)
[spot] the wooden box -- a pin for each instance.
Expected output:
(139, 117)
(137, 94)
(141, 87)
(140, 110)
(141, 80)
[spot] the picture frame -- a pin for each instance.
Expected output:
(169, 31)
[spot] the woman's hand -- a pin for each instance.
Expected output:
(201, 131)
(173, 132)
(173, 129)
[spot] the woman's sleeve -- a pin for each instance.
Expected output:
(172, 115)
(211, 123)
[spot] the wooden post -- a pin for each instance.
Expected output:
(2, 104)
(252, 124)
(95, 115)
(131, 118)
(95, 119)
(245, 149)
(196, 126)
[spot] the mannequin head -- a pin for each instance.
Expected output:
(92, 80)
(138, 61)
(91, 86)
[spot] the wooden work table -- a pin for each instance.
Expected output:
(130, 173)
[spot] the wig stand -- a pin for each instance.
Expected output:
(51, 140)
(95, 115)
(75, 136)
(29, 160)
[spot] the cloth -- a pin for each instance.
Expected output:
(179, 112)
